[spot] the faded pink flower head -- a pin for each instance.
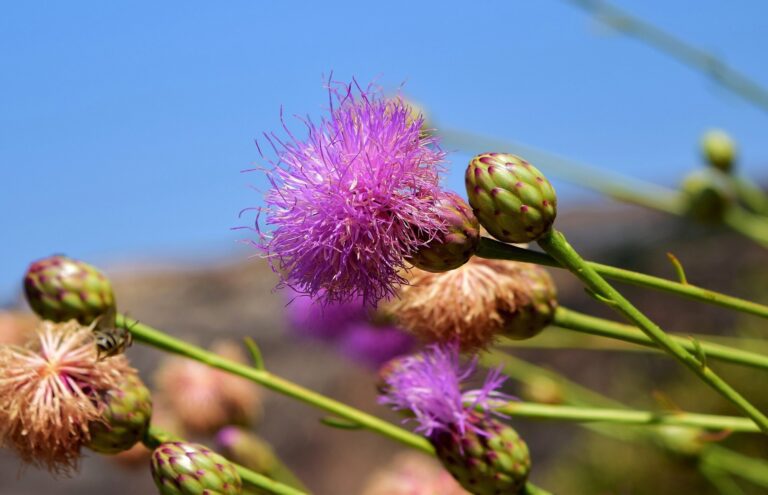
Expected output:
(351, 202)
(51, 390)
(205, 399)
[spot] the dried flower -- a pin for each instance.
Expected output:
(429, 385)
(475, 302)
(354, 200)
(349, 327)
(411, 473)
(205, 399)
(51, 390)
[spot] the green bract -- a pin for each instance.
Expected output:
(708, 194)
(491, 463)
(453, 248)
(535, 303)
(125, 420)
(182, 468)
(511, 198)
(59, 288)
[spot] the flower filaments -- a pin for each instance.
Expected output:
(476, 302)
(51, 390)
(351, 202)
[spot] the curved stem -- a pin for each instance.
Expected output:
(627, 416)
(493, 249)
(717, 70)
(148, 335)
(579, 322)
(155, 437)
(556, 245)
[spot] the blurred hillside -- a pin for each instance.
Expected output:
(207, 303)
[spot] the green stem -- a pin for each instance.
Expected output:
(145, 334)
(627, 416)
(748, 468)
(493, 249)
(753, 196)
(748, 224)
(717, 70)
(720, 479)
(582, 323)
(154, 437)
(555, 244)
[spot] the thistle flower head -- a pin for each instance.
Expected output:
(51, 390)
(351, 202)
(475, 303)
(430, 385)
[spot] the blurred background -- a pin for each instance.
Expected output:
(124, 129)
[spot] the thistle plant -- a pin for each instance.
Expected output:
(380, 261)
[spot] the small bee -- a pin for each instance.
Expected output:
(110, 339)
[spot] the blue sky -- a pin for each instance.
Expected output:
(124, 125)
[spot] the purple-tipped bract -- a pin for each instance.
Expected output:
(429, 384)
(354, 199)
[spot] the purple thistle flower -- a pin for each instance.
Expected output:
(375, 345)
(429, 384)
(348, 327)
(351, 202)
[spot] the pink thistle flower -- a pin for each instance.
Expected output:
(51, 390)
(354, 200)
(430, 385)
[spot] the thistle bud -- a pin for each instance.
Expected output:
(511, 198)
(59, 288)
(683, 441)
(453, 247)
(487, 459)
(719, 150)
(708, 194)
(247, 449)
(536, 302)
(182, 468)
(125, 419)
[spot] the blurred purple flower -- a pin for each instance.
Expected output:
(375, 345)
(351, 202)
(429, 384)
(348, 327)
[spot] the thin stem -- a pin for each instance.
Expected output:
(748, 468)
(493, 249)
(707, 63)
(627, 416)
(579, 322)
(748, 224)
(148, 335)
(154, 437)
(556, 245)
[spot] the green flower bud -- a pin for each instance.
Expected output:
(719, 150)
(683, 441)
(708, 195)
(511, 198)
(535, 303)
(454, 248)
(496, 461)
(59, 288)
(126, 419)
(182, 468)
